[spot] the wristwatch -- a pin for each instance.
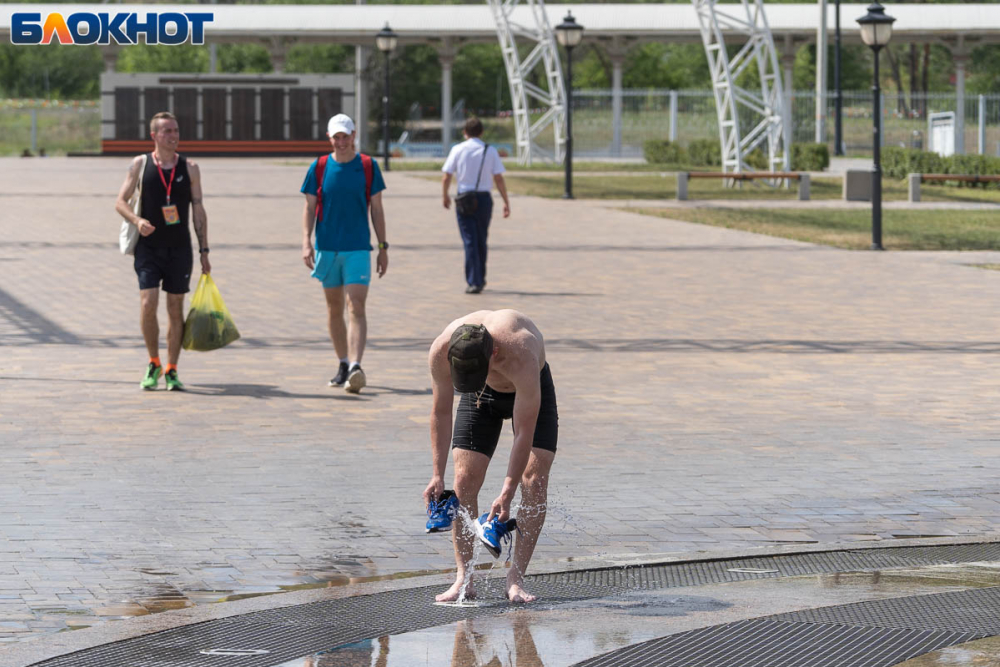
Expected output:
(203, 250)
(383, 245)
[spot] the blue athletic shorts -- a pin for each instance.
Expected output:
(335, 269)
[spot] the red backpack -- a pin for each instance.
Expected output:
(366, 163)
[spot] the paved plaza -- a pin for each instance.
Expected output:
(717, 390)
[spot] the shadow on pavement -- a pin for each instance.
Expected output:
(272, 391)
(519, 293)
(264, 391)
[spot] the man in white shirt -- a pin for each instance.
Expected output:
(475, 164)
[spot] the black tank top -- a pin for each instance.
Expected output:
(154, 197)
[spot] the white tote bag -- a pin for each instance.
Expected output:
(129, 234)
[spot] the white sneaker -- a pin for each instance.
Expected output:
(356, 381)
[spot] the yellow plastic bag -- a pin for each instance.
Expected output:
(209, 325)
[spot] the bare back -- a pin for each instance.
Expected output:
(519, 342)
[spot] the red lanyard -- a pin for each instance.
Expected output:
(173, 172)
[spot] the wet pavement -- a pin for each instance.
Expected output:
(564, 635)
(718, 391)
(979, 653)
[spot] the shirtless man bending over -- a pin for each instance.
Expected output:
(496, 360)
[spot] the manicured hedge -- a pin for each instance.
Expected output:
(810, 157)
(705, 152)
(899, 162)
(662, 151)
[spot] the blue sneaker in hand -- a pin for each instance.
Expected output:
(442, 512)
(493, 533)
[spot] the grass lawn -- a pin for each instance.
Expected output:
(59, 130)
(553, 168)
(851, 229)
(658, 186)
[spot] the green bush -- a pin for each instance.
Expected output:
(758, 160)
(810, 157)
(662, 151)
(898, 162)
(978, 165)
(705, 152)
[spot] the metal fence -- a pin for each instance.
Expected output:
(687, 115)
(682, 116)
(49, 127)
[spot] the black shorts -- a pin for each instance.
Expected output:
(171, 266)
(478, 429)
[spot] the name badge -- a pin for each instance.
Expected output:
(170, 214)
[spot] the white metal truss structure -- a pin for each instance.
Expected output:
(551, 100)
(748, 119)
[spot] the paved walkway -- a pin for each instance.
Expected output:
(718, 390)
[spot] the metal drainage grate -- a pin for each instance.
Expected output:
(771, 642)
(291, 632)
(976, 610)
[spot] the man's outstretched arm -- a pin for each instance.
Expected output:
(443, 398)
(527, 403)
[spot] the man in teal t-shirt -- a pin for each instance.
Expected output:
(341, 256)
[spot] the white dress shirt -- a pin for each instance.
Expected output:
(464, 160)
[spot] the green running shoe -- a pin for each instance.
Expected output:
(173, 384)
(152, 376)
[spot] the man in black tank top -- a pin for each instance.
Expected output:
(171, 192)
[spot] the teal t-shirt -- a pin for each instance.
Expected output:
(344, 226)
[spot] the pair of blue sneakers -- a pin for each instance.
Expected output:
(442, 512)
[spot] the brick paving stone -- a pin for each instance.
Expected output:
(717, 390)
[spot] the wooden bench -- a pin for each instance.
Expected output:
(801, 177)
(916, 179)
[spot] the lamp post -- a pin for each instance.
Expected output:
(876, 31)
(569, 33)
(386, 40)
(838, 121)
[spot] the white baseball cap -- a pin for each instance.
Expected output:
(340, 123)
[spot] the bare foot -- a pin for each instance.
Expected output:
(456, 592)
(515, 593)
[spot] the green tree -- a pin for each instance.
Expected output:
(244, 59)
(416, 80)
(984, 70)
(160, 58)
(320, 59)
(480, 78)
(53, 71)
(855, 68)
(660, 65)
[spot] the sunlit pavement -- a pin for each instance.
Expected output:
(717, 390)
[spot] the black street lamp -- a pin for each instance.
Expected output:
(569, 33)
(386, 40)
(838, 125)
(876, 31)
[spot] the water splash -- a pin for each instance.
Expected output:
(468, 527)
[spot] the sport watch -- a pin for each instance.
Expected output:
(383, 245)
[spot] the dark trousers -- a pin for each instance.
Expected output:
(474, 229)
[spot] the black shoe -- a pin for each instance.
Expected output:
(341, 377)
(474, 289)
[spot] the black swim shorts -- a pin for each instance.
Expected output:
(171, 266)
(478, 428)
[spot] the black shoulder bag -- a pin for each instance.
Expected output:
(467, 203)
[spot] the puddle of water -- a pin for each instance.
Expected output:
(531, 636)
(751, 570)
(980, 653)
(966, 575)
(473, 604)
